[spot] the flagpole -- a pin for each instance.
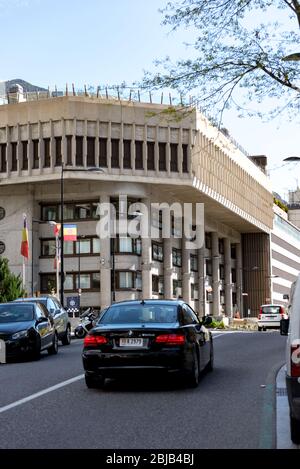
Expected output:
(23, 273)
(57, 265)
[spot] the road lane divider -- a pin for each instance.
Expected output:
(41, 393)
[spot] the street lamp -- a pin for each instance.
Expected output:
(34, 220)
(63, 170)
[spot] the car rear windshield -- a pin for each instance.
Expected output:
(271, 310)
(16, 313)
(138, 313)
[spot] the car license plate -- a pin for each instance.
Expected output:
(271, 317)
(132, 342)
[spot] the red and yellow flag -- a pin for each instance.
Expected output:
(25, 242)
(70, 232)
(57, 229)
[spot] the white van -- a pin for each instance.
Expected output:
(270, 316)
(291, 328)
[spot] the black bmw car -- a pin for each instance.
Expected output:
(26, 328)
(151, 336)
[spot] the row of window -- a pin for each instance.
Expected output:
(91, 246)
(91, 154)
(208, 245)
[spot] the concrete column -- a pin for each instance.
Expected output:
(168, 151)
(146, 253)
(186, 271)
(19, 150)
(215, 273)
(121, 148)
(105, 266)
(41, 148)
(180, 151)
(201, 282)
(63, 142)
(156, 150)
(30, 149)
(85, 144)
(228, 283)
(74, 143)
(168, 269)
(97, 164)
(145, 150)
(52, 145)
(109, 148)
(239, 278)
(8, 152)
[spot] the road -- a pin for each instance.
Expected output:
(233, 407)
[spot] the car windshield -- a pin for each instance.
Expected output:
(15, 313)
(271, 309)
(37, 300)
(138, 313)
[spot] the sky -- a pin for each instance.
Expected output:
(101, 42)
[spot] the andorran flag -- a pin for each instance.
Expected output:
(70, 232)
(25, 242)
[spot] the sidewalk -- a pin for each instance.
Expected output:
(283, 439)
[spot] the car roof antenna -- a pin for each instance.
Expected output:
(143, 302)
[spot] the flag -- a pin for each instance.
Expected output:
(57, 254)
(25, 242)
(57, 228)
(70, 232)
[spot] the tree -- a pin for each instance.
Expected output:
(244, 51)
(10, 284)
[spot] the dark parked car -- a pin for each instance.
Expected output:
(58, 313)
(26, 328)
(150, 336)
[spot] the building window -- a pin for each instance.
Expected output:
(47, 161)
(3, 158)
(209, 296)
(194, 291)
(47, 283)
(233, 251)
(48, 248)
(157, 252)
(127, 154)
(208, 267)
(69, 150)
(208, 241)
(58, 155)
(174, 157)
(89, 281)
(185, 158)
(194, 263)
(79, 151)
(162, 157)
(115, 161)
(176, 257)
(222, 272)
(177, 288)
(103, 152)
(14, 156)
(221, 245)
(234, 298)
(139, 155)
(72, 212)
(233, 275)
(90, 151)
(88, 246)
(127, 280)
(158, 284)
(35, 163)
(129, 246)
(222, 297)
(82, 211)
(151, 156)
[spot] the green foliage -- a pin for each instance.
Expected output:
(280, 204)
(216, 324)
(244, 50)
(10, 284)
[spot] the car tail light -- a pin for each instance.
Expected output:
(94, 340)
(260, 313)
(295, 361)
(282, 312)
(170, 339)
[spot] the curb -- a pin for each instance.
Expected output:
(283, 433)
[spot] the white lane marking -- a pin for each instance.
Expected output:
(40, 393)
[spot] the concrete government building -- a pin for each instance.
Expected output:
(147, 156)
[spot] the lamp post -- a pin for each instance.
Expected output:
(63, 170)
(34, 220)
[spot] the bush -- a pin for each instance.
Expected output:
(216, 325)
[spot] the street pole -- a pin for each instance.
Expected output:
(113, 270)
(62, 235)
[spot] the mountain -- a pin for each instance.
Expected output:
(27, 87)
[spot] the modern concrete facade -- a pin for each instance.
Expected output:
(148, 156)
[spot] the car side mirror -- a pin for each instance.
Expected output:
(207, 320)
(284, 326)
(286, 297)
(57, 311)
(52, 311)
(42, 319)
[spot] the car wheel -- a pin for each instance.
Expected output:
(210, 365)
(94, 382)
(36, 353)
(54, 347)
(259, 329)
(264, 329)
(193, 376)
(80, 333)
(66, 339)
(295, 430)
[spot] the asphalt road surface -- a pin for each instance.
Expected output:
(42, 406)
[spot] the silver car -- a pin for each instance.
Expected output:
(270, 316)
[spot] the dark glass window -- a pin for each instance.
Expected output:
(162, 157)
(208, 240)
(47, 152)
(69, 150)
(103, 152)
(221, 246)
(127, 154)
(48, 282)
(177, 288)
(177, 257)
(157, 252)
(35, 163)
(208, 264)
(14, 156)
(194, 291)
(151, 157)
(222, 297)
(158, 284)
(139, 155)
(233, 251)
(90, 151)
(58, 156)
(222, 272)
(184, 158)
(3, 158)
(194, 263)
(115, 159)
(174, 157)
(233, 275)
(25, 155)
(79, 151)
